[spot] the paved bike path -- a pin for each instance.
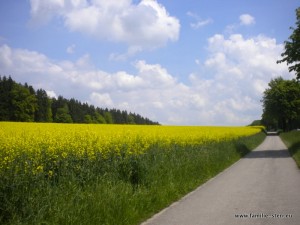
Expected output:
(261, 188)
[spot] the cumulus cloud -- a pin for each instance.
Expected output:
(247, 19)
(226, 92)
(240, 70)
(254, 57)
(102, 99)
(43, 11)
(146, 25)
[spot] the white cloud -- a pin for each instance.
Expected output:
(146, 25)
(155, 76)
(247, 20)
(226, 92)
(5, 56)
(43, 11)
(51, 94)
(103, 100)
(199, 22)
(240, 71)
(241, 58)
(84, 61)
(132, 50)
(25, 61)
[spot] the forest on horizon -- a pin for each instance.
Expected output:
(22, 103)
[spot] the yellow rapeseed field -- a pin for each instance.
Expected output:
(108, 174)
(58, 141)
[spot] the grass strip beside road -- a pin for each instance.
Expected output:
(292, 141)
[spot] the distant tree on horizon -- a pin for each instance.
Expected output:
(281, 104)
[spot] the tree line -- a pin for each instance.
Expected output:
(23, 103)
(281, 105)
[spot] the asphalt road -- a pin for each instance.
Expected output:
(261, 188)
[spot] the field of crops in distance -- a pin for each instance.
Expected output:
(60, 140)
(42, 160)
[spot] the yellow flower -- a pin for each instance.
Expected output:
(39, 142)
(39, 169)
(50, 173)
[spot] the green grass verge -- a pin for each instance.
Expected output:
(122, 190)
(292, 141)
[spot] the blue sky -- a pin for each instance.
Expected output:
(177, 62)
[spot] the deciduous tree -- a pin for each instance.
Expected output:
(291, 55)
(281, 104)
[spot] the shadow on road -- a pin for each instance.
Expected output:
(268, 154)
